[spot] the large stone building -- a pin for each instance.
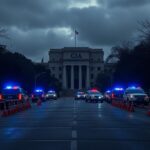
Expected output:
(76, 67)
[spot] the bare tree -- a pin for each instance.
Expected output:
(118, 51)
(3, 33)
(144, 30)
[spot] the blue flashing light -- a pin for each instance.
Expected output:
(51, 91)
(118, 89)
(134, 87)
(108, 91)
(8, 87)
(38, 90)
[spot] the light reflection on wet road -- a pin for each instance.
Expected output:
(66, 124)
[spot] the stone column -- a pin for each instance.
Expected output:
(87, 77)
(72, 77)
(64, 78)
(80, 77)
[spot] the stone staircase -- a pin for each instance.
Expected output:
(68, 93)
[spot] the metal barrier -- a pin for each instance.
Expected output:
(14, 106)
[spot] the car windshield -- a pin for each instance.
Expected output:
(51, 92)
(135, 91)
(80, 93)
(10, 91)
(96, 92)
(38, 93)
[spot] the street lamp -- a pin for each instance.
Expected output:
(36, 77)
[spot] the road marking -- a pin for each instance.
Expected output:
(74, 123)
(99, 106)
(99, 115)
(74, 145)
(75, 116)
(74, 134)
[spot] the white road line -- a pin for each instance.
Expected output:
(99, 106)
(74, 123)
(74, 134)
(99, 115)
(75, 116)
(74, 145)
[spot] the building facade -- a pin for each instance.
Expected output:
(76, 67)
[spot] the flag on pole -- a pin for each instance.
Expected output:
(42, 60)
(76, 32)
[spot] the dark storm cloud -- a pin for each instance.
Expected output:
(34, 26)
(124, 3)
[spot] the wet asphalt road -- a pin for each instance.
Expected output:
(66, 124)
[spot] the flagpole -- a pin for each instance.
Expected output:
(75, 38)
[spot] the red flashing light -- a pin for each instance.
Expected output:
(32, 96)
(15, 87)
(0, 96)
(94, 90)
(113, 95)
(20, 96)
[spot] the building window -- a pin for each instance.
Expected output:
(92, 76)
(60, 76)
(99, 68)
(60, 68)
(92, 68)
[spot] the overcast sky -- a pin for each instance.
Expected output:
(35, 26)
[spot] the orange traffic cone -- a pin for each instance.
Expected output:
(39, 102)
(131, 108)
(5, 113)
(148, 113)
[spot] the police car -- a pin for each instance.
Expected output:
(136, 95)
(80, 95)
(51, 95)
(13, 94)
(108, 96)
(94, 96)
(114, 94)
(38, 94)
(10, 93)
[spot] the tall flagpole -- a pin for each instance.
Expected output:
(75, 39)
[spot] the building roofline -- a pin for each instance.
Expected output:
(83, 49)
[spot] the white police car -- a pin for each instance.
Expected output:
(135, 95)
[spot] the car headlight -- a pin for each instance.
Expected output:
(132, 96)
(54, 95)
(146, 98)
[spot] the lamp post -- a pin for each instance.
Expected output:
(36, 77)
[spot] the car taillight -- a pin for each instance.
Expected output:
(0, 96)
(113, 96)
(20, 96)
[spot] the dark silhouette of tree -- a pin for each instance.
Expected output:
(133, 62)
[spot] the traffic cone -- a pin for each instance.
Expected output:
(148, 113)
(28, 105)
(17, 108)
(131, 108)
(39, 102)
(128, 107)
(5, 113)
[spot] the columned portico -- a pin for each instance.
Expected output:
(80, 77)
(76, 67)
(75, 80)
(72, 77)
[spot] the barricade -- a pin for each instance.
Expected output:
(124, 106)
(14, 106)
